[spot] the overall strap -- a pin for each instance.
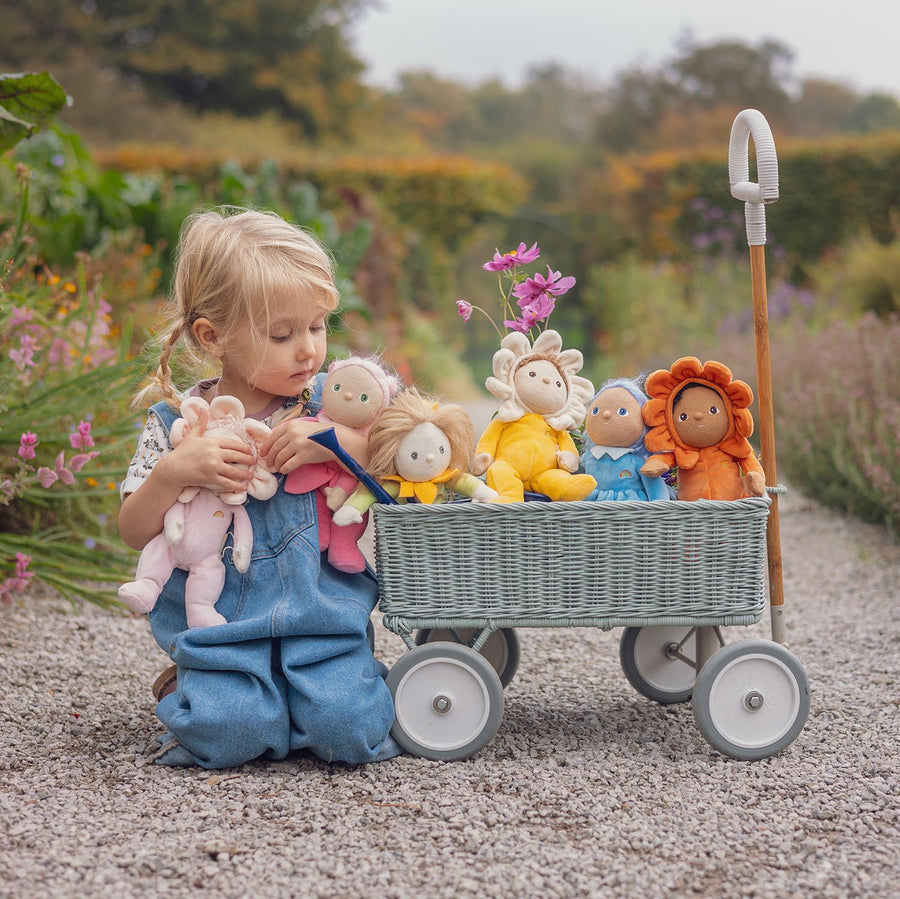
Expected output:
(166, 414)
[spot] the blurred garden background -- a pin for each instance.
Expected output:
(132, 115)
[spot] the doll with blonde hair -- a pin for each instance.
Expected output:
(420, 450)
(252, 294)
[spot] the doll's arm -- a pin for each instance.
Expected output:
(469, 485)
(358, 503)
(487, 445)
(658, 464)
(243, 538)
(567, 452)
(754, 476)
(656, 487)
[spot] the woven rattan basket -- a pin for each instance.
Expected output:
(600, 564)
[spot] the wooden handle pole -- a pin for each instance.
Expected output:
(767, 435)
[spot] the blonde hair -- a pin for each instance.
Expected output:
(409, 409)
(230, 264)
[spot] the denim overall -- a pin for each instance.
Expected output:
(293, 666)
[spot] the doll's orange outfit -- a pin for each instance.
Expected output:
(525, 458)
(713, 472)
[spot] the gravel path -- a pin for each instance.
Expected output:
(587, 789)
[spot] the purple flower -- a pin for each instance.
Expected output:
(20, 315)
(19, 582)
(464, 309)
(60, 351)
(81, 437)
(62, 472)
(24, 357)
(518, 256)
(76, 463)
(532, 288)
(541, 307)
(47, 477)
(27, 442)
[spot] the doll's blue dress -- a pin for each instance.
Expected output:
(617, 471)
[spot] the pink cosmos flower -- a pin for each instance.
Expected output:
(532, 288)
(464, 309)
(27, 442)
(518, 256)
(81, 437)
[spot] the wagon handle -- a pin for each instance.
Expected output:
(752, 123)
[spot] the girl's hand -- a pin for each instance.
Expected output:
(287, 447)
(221, 464)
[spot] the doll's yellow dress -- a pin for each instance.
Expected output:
(525, 454)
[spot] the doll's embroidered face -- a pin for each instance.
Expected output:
(541, 387)
(423, 453)
(699, 416)
(351, 396)
(614, 418)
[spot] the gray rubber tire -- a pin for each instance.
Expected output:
(648, 667)
(448, 701)
(751, 699)
(501, 649)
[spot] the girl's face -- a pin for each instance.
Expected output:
(282, 359)
(699, 417)
(614, 418)
(423, 453)
(352, 396)
(541, 387)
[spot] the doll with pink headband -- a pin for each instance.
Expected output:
(356, 391)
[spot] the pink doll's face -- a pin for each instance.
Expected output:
(614, 418)
(540, 387)
(352, 396)
(699, 417)
(423, 454)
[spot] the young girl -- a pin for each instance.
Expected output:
(292, 668)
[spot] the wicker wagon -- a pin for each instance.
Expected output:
(456, 580)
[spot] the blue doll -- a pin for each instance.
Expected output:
(614, 444)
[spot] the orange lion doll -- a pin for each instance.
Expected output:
(699, 421)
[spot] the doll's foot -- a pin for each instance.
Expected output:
(350, 563)
(204, 617)
(139, 596)
(579, 486)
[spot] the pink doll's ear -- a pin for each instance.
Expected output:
(227, 405)
(194, 418)
(263, 484)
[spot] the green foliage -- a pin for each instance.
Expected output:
(27, 103)
(61, 451)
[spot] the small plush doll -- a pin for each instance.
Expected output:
(699, 420)
(196, 526)
(419, 450)
(614, 445)
(528, 445)
(356, 391)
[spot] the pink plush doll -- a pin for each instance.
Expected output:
(356, 391)
(196, 526)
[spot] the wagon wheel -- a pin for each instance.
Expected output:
(447, 699)
(501, 648)
(659, 661)
(751, 699)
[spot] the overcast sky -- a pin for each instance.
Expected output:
(855, 42)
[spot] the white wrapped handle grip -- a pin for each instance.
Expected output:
(752, 123)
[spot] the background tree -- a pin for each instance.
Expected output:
(245, 56)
